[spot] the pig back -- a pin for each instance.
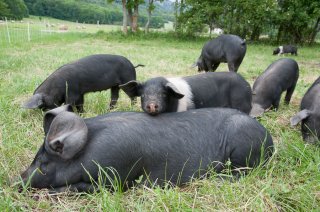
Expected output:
(282, 73)
(89, 74)
(186, 142)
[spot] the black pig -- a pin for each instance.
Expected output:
(285, 50)
(229, 49)
(70, 82)
(219, 89)
(309, 114)
(282, 75)
(174, 147)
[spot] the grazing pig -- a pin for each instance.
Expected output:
(285, 50)
(174, 147)
(70, 82)
(220, 89)
(280, 76)
(223, 49)
(309, 114)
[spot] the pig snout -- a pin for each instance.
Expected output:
(152, 108)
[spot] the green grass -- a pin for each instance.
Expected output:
(290, 181)
(42, 29)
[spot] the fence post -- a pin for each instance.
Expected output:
(8, 31)
(29, 32)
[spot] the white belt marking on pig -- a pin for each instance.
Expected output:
(281, 50)
(185, 102)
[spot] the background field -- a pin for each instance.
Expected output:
(290, 181)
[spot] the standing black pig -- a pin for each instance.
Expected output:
(174, 147)
(285, 50)
(70, 82)
(218, 89)
(280, 76)
(229, 49)
(309, 114)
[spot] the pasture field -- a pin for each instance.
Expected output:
(36, 29)
(288, 182)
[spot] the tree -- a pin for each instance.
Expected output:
(150, 8)
(130, 11)
(4, 10)
(125, 17)
(294, 21)
(298, 20)
(17, 9)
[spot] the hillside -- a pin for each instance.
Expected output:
(91, 11)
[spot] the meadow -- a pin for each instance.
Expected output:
(288, 182)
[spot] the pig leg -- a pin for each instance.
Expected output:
(114, 96)
(78, 187)
(207, 65)
(276, 103)
(79, 104)
(133, 100)
(289, 94)
(76, 100)
(215, 66)
(232, 67)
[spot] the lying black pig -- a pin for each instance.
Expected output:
(70, 82)
(280, 76)
(172, 147)
(229, 49)
(310, 114)
(218, 89)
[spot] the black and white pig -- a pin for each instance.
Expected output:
(309, 114)
(285, 50)
(171, 147)
(69, 83)
(218, 89)
(282, 75)
(226, 48)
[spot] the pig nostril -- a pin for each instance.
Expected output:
(156, 106)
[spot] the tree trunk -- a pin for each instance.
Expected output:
(315, 30)
(255, 33)
(135, 16)
(182, 5)
(146, 28)
(176, 5)
(279, 35)
(130, 16)
(125, 18)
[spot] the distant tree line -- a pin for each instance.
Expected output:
(290, 21)
(82, 11)
(13, 9)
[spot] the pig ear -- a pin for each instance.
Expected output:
(299, 117)
(131, 88)
(174, 90)
(35, 101)
(67, 135)
(51, 114)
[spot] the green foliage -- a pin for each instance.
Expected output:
(75, 11)
(4, 10)
(299, 20)
(13, 9)
(88, 11)
(293, 21)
